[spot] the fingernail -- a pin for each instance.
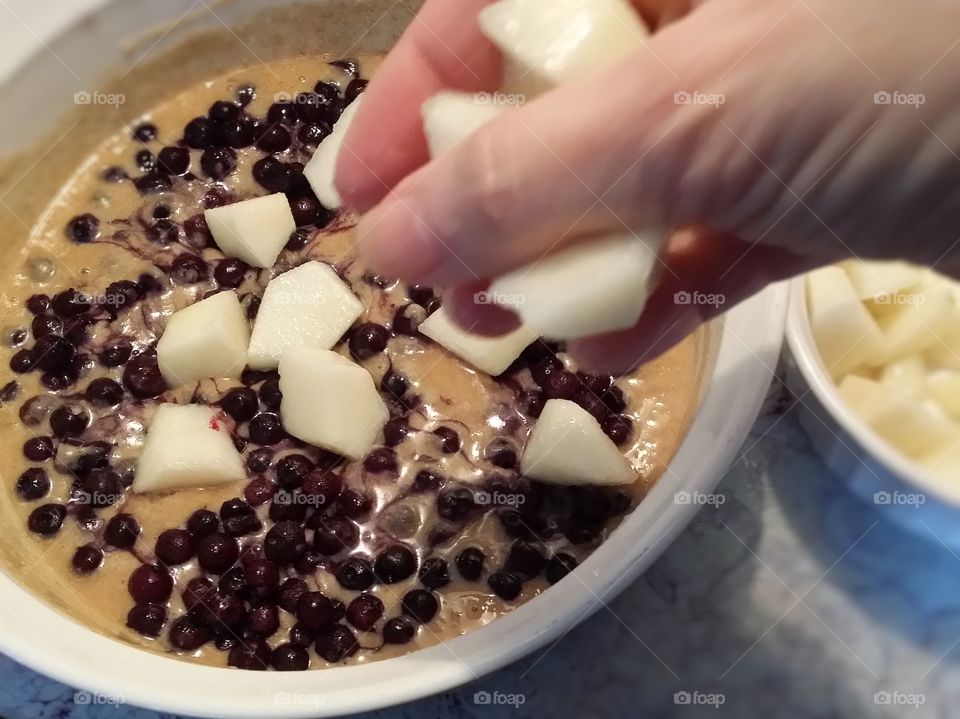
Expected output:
(394, 240)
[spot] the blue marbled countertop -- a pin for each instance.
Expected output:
(791, 598)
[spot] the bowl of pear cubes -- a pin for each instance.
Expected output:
(877, 358)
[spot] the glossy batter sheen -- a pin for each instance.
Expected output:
(661, 396)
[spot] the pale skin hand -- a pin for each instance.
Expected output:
(799, 166)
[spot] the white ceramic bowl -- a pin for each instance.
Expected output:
(874, 470)
(33, 633)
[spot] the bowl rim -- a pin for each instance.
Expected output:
(42, 638)
(804, 351)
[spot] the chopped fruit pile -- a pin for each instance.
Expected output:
(889, 335)
(386, 464)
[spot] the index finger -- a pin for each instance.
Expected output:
(442, 48)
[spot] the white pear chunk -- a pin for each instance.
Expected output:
(916, 321)
(913, 426)
(321, 170)
(593, 287)
(307, 306)
(449, 117)
(873, 280)
(943, 387)
(567, 446)
(845, 333)
(488, 354)
(329, 401)
(860, 393)
(205, 340)
(253, 230)
(907, 374)
(557, 41)
(187, 445)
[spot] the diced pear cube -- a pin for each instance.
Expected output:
(449, 117)
(321, 170)
(253, 230)
(307, 306)
(488, 354)
(205, 340)
(943, 387)
(187, 445)
(912, 425)
(916, 322)
(593, 287)
(561, 40)
(873, 280)
(844, 332)
(329, 401)
(567, 446)
(860, 393)
(907, 374)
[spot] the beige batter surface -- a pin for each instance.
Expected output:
(661, 396)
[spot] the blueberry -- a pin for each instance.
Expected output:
(270, 394)
(420, 604)
(146, 160)
(104, 392)
(398, 630)
(121, 531)
(188, 636)
(238, 518)
(505, 585)
(380, 459)
(217, 552)
(356, 574)
(153, 183)
(147, 619)
(258, 461)
(354, 89)
(364, 611)
(83, 228)
(202, 523)
(617, 427)
(86, 559)
(434, 573)
(71, 303)
(531, 402)
(525, 559)
(102, 487)
(250, 655)
(240, 403)
(335, 534)
(199, 133)
(266, 429)
(353, 504)
(38, 449)
(285, 542)
(264, 620)
(69, 420)
(114, 174)
(455, 503)
(174, 160)
(395, 564)
(33, 484)
(145, 132)
(336, 643)
(115, 354)
(395, 431)
(230, 273)
(47, 519)
(470, 563)
(22, 361)
(174, 546)
(150, 585)
(218, 162)
(559, 566)
(53, 353)
(273, 175)
(313, 134)
(142, 376)
(188, 269)
(449, 439)
(314, 610)
(299, 239)
(394, 384)
(274, 138)
(282, 112)
(245, 94)
(368, 339)
(426, 481)
(38, 304)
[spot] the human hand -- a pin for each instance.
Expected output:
(755, 125)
